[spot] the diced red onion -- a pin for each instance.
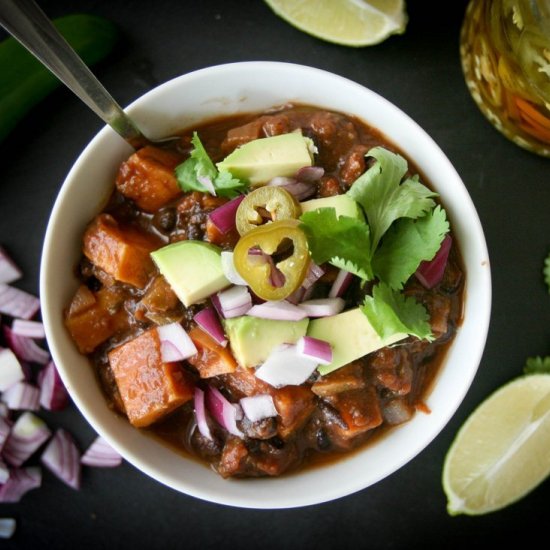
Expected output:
(313, 348)
(279, 310)
(4, 410)
(207, 182)
(100, 455)
(209, 321)
(310, 173)
(28, 329)
(314, 273)
(17, 303)
(430, 273)
(21, 481)
(62, 458)
(7, 527)
(235, 301)
(200, 414)
(281, 181)
(323, 307)
(286, 367)
(53, 394)
(5, 428)
(297, 296)
(9, 272)
(4, 472)
(225, 413)
(175, 343)
(27, 434)
(223, 217)
(11, 370)
(341, 284)
(301, 190)
(229, 270)
(26, 348)
(258, 407)
(22, 396)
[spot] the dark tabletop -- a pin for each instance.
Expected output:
(420, 73)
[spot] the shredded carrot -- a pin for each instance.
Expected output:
(528, 110)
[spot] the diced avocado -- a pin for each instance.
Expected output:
(344, 206)
(252, 339)
(262, 159)
(351, 336)
(192, 268)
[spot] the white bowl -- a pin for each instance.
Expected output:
(225, 90)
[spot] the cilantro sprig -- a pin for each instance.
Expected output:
(537, 365)
(198, 173)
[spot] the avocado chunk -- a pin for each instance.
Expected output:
(252, 339)
(344, 206)
(192, 268)
(260, 160)
(351, 336)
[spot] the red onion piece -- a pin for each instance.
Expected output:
(235, 301)
(297, 296)
(280, 310)
(53, 394)
(175, 343)
(21, 481)
(225, 413)
(301, 190)
(22, 396)
(313, 348)
(101, 455)
(281, 181)
(286, 367)
(27, 434)
(4, 472)
(430, 273)
(200, 414)
(223, 217)
(4, 411)
(7, 528)
(341, 284)
(323, 307)
(209, 321)
(26, 348)
(17, 303)
(229, 270)
(314, 273)
(28, 329)
(310, 173)
(62, 458)
(5, 428)
(11, 370)
(9, 272)
(258, 407)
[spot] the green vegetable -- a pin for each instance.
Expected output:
(537, 365)
(25, 81)
(546, 272)
(198, 173)
(390, 312)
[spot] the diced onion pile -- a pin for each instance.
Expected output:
(29, 382)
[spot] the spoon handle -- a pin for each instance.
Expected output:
(31, 27)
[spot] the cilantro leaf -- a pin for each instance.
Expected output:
(384, 198)
(407, 243)
(390, 312)
(546, 271)
(537, 365)
(198, 173)
(343, 241)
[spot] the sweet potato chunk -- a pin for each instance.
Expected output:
(347, 378)
(149, 388)
(294, 404)
(212, 359)
(122, 252)
(147, 178)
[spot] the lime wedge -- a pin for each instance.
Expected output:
(502, 451)
(346, 22)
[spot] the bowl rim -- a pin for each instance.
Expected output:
(329, 491)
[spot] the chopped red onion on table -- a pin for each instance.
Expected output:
(4, 472)
(200, 414)
(323, 307)
(100, 455)
(286, 367)
(4, 410)
(26, 348)
(310, 173)
(258, 407)
(225, 413)
(235, 301)
(21, 481)
(22, 396)
(53, 394)
(9, 272)
(17, 303)
(223, 217)
(7, 527)
(175, 343)
(28, 329)
(208, 320)
(430, 273)
(11, 370)
(279, 310)
(313, 348)
(26, 436)
(341, 284)
(5, 428)
(62, 458)
(229, 270)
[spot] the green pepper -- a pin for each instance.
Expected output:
(283, 270)
(265, 204)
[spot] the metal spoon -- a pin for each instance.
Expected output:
(29, 25)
